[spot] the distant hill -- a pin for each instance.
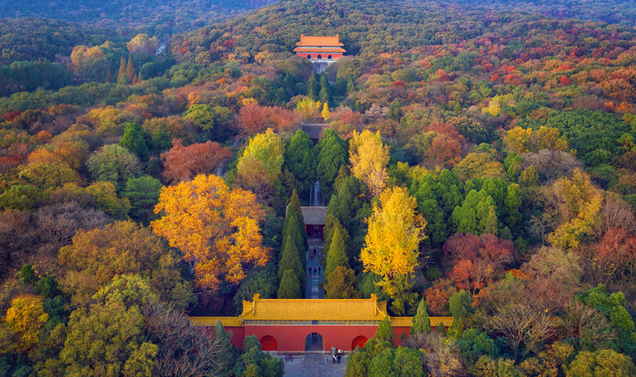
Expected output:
(371, 27)
(134, 16)
(32, 39)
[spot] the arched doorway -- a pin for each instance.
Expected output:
(308, 56)
(268, 343)
(359, 341)
(319, 56)
(313, 342)
(329, 57)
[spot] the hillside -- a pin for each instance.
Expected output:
(156, 17)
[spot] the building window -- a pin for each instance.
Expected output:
(319, 56)
(308, 56)
(329, 57)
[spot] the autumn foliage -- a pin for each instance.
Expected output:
(182, 163)
(216, 228)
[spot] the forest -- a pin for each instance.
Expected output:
(479, 163)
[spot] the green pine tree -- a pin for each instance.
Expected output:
(121, 76)
(289, 260)
(134, 140)
(337, 255)
(491, 222)
(421, 321)
(291, 229)
(289, 286)
(294, 204)
(384, 336)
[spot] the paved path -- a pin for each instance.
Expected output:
(315, 365)
(313, 289)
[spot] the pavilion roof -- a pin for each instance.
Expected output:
(306, 40)
(314, 215)
(313, 310)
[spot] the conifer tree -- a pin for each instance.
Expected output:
(289, 286)
(421, 321)
(491, 222)
(291, 230)
(313, 87)
(384, 336)
(300, 159)
(134, 141)
(332, 154)
(325, 93)
(130, 71)
(337, 256)
(121, 76)
(341, 283)
(351, 86)
(289, 260)
(294, 204)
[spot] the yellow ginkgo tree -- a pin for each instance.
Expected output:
(393, 239)
(217, 229)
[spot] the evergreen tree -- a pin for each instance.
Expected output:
(227, 350)
(294, 205)
(300, 159)
(421, 321)
(121, 76)
(341, 283)
(289, 261)
(384, 336)
(313, 87)
(130, 71)
(332, 154)
(289, 286)
(357, 363)
(382, 365)
(336, 256)
(291, 229)
(134, 140)
(491, 222)
(408, 362)
(351, 86)
(325, 93)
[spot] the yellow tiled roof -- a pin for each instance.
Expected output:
(306, 40)
(313, 310)
(408, 321)
(211, 321)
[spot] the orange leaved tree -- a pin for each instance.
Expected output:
(217, 229)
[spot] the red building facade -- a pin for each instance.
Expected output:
(295, 325)
(320, 48)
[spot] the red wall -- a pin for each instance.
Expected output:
(324, 55)
(238, 334)
(292, 338)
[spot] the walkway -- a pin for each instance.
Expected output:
(314, 290)
(315, 365)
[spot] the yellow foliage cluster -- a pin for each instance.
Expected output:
(25, 318)
(369, 160)
(392, 242)
(522, 140)
(579, 204)
(217, 229)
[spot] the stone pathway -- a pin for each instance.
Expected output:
(313, 289)
(315, 365)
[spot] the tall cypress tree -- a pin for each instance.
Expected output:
(130, 71)
(332, 154)
(289, 260)
(313, 87)
(294, 204)
(291, 230)
(337, 255)
(325, 93)
(289, 286)
(121, 76)
(300, 159)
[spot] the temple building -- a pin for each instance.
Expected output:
(300, 325)
(321, 51)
